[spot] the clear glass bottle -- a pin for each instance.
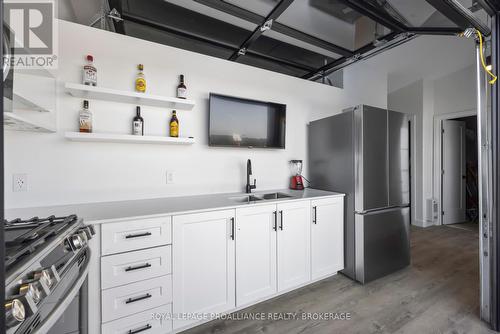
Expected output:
(90, 72)
(140, 81)
(85, 118)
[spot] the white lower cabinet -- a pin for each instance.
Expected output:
(255, 253)
(132, 298)
(154, 321)
(203, 265)
(217, 261)
(327, 236)
(294, 244)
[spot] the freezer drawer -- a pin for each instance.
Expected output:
(382, 243)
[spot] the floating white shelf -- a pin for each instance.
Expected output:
(12, 121)
(114, 95)
(117, 138)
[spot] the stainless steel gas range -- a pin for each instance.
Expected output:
(46, 263)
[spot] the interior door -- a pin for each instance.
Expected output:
(255, 253)
(453, 179)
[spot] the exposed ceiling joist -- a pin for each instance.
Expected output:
(172, 29)
(459, 15)
(249, 16)
(262, 27)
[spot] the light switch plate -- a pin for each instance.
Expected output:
(170, 177)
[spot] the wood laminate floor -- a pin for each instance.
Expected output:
(438, 293)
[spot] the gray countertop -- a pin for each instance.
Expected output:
(96, 213)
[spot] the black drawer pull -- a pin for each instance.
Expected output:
(130, 236)
(133, 300)
(138, 330)
(146, 265)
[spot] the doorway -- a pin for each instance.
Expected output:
(459, 176)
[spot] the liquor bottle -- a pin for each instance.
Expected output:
(140, 81)
(90, 72)
(85, 118)
(182, 89)
(174, 125)
(138, 123)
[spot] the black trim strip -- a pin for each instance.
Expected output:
(273, 15)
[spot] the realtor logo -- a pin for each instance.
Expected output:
(31, 30)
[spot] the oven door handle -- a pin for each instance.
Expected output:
(57, 312)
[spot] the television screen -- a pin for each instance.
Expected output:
(240, 122)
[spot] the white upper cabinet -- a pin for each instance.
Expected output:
(255, 253)
(327, 236)
(203, 264)
(294, 244)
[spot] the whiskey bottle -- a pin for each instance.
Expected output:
(138, 123)
(140, 81)
(182, 89)
(90, 72)
(174, 125)
(85, 118)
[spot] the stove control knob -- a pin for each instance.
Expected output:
(45, 277)
(87, 231)
(83, 236)
(34, 289)
(14, 312)
(75, 241)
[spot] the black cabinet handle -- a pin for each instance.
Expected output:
(315, 220)
(130, 236)
(232, 228)
(275, 225)
(281, 220)
(146, 265)
(133, 300)
(138, 330)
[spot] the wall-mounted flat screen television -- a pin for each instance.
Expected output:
(237, 122)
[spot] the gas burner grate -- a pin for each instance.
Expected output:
(25, 237)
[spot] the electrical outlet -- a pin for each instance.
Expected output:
(19, 182)
(170, 177)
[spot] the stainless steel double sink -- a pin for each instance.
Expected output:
(259, 197)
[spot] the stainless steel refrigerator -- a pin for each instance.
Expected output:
(364, 152)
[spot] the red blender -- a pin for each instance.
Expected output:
(296, 182)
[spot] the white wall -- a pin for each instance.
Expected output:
(61, 172)
(427, 99)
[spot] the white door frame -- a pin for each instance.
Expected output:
(437, 156)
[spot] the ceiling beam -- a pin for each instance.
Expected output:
(266, 25)
(181, 32)
(389, 41)
(435, 31)
(375, 13)
(251, 17)
(459, 15)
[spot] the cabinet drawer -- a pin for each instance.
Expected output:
(155, 321)
(135, 234)
(120, 269)
(136, 297)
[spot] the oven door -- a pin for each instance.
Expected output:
(66, 311)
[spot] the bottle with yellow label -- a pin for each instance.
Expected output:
(140, 81)
(174, 125)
